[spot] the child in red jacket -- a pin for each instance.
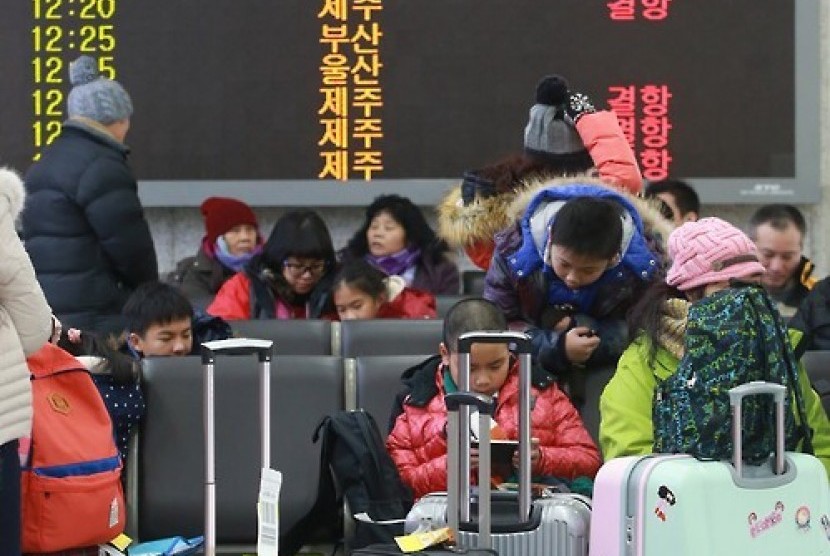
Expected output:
(562, 447)
(361, 291)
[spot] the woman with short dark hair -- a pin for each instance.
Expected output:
(396, 238)
(289, 279)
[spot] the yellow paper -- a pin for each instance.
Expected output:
(419, 541)
(121, 542)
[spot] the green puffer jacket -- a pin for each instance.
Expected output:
(625, 406)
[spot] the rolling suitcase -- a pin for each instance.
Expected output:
(676, 504)
(243, 346)
(556, 525)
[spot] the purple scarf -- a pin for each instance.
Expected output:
(396, 263)
(234, 262)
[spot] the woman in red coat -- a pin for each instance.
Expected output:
(562, 447)
(361, 291)
(289, 279)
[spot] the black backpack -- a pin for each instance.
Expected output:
(362, 472)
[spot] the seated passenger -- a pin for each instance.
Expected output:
(707, 254)
(568, 271)
(290, 279)
(160, 322)
(396, 238)
(561, 449)
(361, 291)
(232, 238)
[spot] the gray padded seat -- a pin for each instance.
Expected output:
(378, 381)
(389, 337)
(472, 282)
(594, 385)
(817, 365)
(170, 494)
(290, 337)
(444, 302)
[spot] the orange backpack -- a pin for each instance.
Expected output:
(71, 484)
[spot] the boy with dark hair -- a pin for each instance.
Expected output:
(778, 231)
(570, 268)
(160, 321)
(679, 197)
(561, 447)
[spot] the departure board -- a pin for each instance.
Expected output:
(408, 94)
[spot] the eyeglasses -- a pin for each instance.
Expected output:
(298, 269)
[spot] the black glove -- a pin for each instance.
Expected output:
(578, 105)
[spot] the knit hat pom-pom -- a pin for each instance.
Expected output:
(552, 90)
(83, 70)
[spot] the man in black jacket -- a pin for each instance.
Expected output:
(813, 318)
(84, 226)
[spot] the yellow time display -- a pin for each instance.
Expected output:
(61, 31)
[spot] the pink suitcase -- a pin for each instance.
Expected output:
(675, 504)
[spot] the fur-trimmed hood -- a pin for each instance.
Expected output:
(11, 187)
(464, 225)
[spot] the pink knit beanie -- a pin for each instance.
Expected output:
(710, 250)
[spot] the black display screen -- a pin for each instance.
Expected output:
(296, 90)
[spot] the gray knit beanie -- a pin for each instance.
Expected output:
(95, 97)
(547, 131)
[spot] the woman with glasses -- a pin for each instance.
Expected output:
(289, 279)
(396, 238)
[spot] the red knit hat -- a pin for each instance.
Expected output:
(708, 251)
(223, 213)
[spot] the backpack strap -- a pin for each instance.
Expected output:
(806, 431)
(370, 437)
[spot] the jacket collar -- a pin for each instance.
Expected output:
(423, 383)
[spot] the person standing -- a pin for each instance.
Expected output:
(84, 226)
(25, 325)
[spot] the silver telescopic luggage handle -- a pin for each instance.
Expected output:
(519, 344)
(736, 396)
(458, 436)
(263, 349)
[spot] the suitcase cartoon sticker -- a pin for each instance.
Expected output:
(802, 518)
(772, 519)
(666, 500)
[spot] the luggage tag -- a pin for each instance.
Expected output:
(424, 538)
(268, 513)
(116, 547)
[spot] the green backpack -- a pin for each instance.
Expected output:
(733, 336)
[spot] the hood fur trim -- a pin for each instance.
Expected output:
(461, 225)
(11, 187)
